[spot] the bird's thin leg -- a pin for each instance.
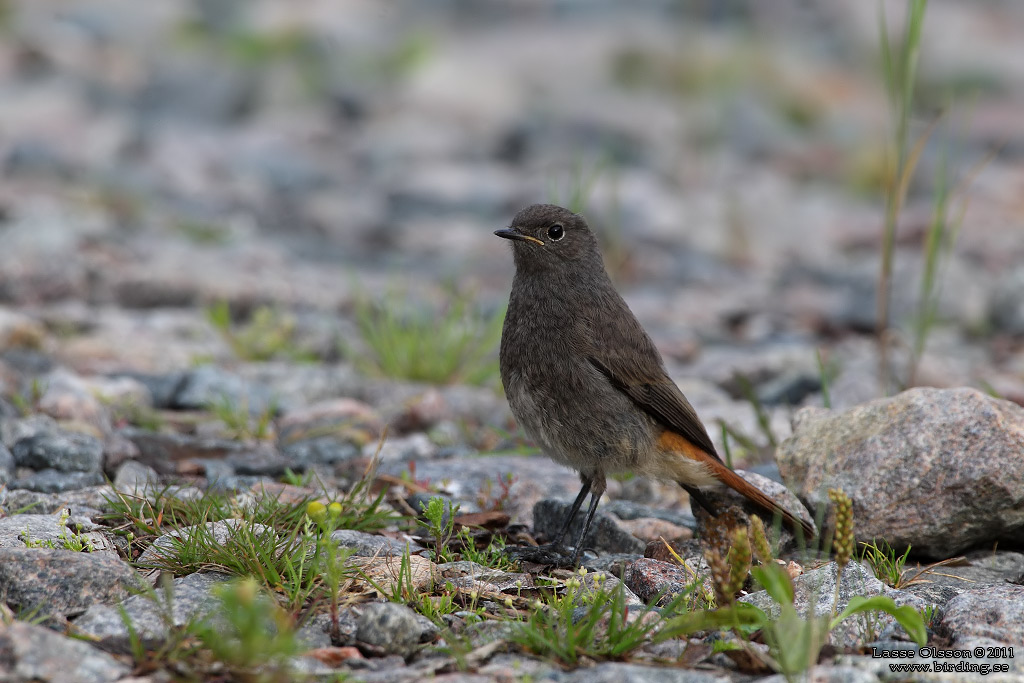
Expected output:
(572, 512)
(552, 553)
(598, 486)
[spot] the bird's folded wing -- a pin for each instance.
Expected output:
(655, 393)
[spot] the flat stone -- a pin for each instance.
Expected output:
(134, 477)
(533, 478)
(957, 451)
(995, 612)
(816, 590)
(653, 579)
(605, 534)
(164, 451)
(62, 582)
(150, 614)
(619, 672)
(59, 450)
(56, 481)
(34, 653)
(371, 545)
(207, 384)
(391, 627)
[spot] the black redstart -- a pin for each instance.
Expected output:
(586, 382)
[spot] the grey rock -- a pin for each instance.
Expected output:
(995, 612)
(627, 509)
(162, 452)
(162, 388)
(412, 447)
(465, 478)
(653, 579)
(508, 666)
(485, 632)
(56, 481)
(913, 466)
(605, 534)
(995, 651)
(70, 397)
(117, 450)
(7, 411)
(34, 653)
(84, 503)
(451, 188)
(14, 430)
(371, 545)
(816, 590)
(17, 529)
(150, 613)
(618, 672)
(471, 575)
(62, 582)
(6, 465)
(135, 477)
(207, 384)
(328, 432)
(831, 674)
(36, 158)
(320, 450)
(198, 90)
(613, 564)
(391, 627)
(979, 569)
(428, 629)
(59, 450)
(315, 633)
(321, 631)
(1006, 306)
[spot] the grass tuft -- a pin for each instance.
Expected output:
(457, 345)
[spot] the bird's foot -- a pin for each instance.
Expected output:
(550, 555)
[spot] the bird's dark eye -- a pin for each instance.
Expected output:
(556, 232)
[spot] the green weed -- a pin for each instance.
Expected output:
(268, 334)
(452, 545)
(455, 344)
(249, 633)
(606, 630)
(887, 564)
(66, 539)
(239, 422)
(245, 636)
(899, 65)
(28, 403)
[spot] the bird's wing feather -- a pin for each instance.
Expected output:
(647, 384)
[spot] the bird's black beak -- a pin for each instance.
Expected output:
(514, 234)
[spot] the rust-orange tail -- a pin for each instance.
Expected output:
(717, 469)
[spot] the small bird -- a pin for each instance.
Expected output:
(586, 382)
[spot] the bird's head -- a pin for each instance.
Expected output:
(546, 236)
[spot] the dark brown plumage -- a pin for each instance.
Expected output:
(585, 380)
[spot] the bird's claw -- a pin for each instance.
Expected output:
(550, 555)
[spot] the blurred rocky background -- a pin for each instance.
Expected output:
(242, 240)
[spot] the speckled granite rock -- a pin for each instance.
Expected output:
(939, 470)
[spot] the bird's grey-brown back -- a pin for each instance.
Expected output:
(563, 311)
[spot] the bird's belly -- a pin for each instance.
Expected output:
(589, 429)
